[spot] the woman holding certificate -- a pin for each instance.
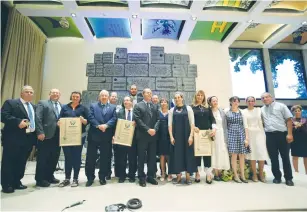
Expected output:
(237, 138)
(204, 120)
(220, 156)
(257, 138)
(181, 130)
(73, 153)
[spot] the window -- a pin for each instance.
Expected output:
(288, 74)
(247, 72)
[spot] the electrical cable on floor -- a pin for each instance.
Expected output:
(131, 204)
(75, 204)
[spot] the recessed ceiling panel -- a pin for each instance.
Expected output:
(57, 26)
(297, 37)
(166, 3)
(110, 27)
(116, 3)
(241, 5)
(287, 6)
(211, 30)
(160, 28)
(259, 32)
(46, 2)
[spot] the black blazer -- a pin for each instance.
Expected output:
(145, 121)
(12, 113)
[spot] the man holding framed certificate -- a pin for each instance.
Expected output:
(124, 142)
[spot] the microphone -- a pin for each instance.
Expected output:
(75, 204)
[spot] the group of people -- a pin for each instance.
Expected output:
(254, 133)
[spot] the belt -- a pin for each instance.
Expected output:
(277, 132)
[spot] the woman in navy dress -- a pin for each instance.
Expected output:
(237, 138)
(164, 139)
(72, 154)
(181, 129)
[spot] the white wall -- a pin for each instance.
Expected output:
(66, 60)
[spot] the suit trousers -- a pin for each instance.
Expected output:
(122, 155)
(14, 160)
(47, 158)
(276, 143)
(144, 146)
(104, 146)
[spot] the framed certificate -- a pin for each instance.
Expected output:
(124, 132)
(70, 131)
(202, 143)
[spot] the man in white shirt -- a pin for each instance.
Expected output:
(278, 129)
(18, 138)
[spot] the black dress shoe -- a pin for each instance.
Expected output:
(89, 183)
(276, 181)
(142, 183)
(8, 190)
(102, 182)
(152, 181)
(289, 183)
(54, 181)
(20, 187)
(121, 180)
(108, 177)
(131, 180)
(42, 183)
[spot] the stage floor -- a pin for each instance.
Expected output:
(219, 196)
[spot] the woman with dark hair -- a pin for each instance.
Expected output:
(181, 130)
(299, 145)
(204, 120)
(72, 154)
(257, 138)
(220, 156)
(164, 139)
(237, 138)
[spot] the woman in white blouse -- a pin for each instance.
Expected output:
(181, 129)
(257, 139)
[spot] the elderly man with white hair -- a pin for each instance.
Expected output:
(102, 119)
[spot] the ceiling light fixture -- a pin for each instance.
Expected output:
(73, 15)
(304, 23)
(134, 16)
(194, 18)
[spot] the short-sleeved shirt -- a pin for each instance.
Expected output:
(275, 117)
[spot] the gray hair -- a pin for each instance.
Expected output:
(26, 87)
(266, 93)
(104, 91)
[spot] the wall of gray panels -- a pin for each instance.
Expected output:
(164, 73)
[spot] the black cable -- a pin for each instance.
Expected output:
(75, 204)
(131, 204)
(134, 203)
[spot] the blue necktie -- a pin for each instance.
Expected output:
(129, 115)
(56, 109)
(30, 116)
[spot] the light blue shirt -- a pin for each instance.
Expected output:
(32, 110)
(275, 117)
(58, 106)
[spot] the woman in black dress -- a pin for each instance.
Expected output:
(204, 120)
(164, 139)
(299, 144)
(181, 129)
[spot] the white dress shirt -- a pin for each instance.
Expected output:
(24, 103)
(126, 113)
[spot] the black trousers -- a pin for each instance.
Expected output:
(110, 160)
(276, 143)
(149, 147)
(104, 146)
(14, 160)
(206, 159)
(122, 155)
(47, 158)
(72, 160)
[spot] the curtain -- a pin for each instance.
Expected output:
(22, 58)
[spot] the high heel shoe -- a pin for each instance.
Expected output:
(243, 180)
(237, 180)
(197, 180)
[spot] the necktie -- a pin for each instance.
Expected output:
(103, 107)
(30, 116)
(56, 109)
(148, 105)
(129, 115)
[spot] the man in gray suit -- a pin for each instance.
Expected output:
(48, 139)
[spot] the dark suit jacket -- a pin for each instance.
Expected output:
(144, 121)
(12, 113)
(97, 117)
(46, 121)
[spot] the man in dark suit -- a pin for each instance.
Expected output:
(122, 152)
(146, 116)
(18, 138)
(102, 119)
(47, 131)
